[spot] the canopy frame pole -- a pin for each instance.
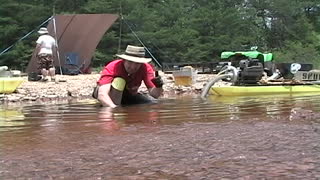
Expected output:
(57, 44)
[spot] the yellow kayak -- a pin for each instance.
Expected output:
(9, 84)
(263, 90)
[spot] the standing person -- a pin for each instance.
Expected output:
(46, 45)
(120, 79)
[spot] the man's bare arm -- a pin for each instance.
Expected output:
(104, 97)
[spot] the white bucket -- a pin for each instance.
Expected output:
(186, 76)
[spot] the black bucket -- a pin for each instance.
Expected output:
(34, 76)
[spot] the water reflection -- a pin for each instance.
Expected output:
(88, 114)
(275, 107)
(11, 118)
(180, 138)
(107, 116)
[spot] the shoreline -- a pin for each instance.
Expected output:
(81, 86)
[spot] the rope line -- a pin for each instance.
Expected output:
(8, 48)
(153, 58)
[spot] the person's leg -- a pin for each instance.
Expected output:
(52, 73)
(129, 99)
(44, 74)
(50, 66)
(42, 67)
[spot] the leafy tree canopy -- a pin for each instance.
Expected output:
(176, 30)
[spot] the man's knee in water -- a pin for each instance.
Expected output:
(117, 87)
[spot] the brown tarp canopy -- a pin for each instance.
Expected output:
(77, 33)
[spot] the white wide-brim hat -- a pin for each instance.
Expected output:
(43, 30)
(134, 54)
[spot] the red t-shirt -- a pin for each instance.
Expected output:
(116, 69)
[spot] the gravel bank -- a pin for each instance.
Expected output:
(81, 86)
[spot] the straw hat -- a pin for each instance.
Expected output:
(43, 30)
(134, 54)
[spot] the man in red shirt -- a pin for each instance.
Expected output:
(120, 79)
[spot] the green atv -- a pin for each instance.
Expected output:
(234, 58)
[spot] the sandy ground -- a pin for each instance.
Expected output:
(81, 86)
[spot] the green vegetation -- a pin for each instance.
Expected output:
(177, 30)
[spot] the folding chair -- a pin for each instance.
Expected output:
(72, 63)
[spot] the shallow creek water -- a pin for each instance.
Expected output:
(184, 137)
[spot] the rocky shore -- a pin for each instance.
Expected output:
(81, 86)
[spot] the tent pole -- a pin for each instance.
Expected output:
(55, 37)
(120, 27)
(57, 44)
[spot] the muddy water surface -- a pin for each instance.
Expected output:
(272, 137)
